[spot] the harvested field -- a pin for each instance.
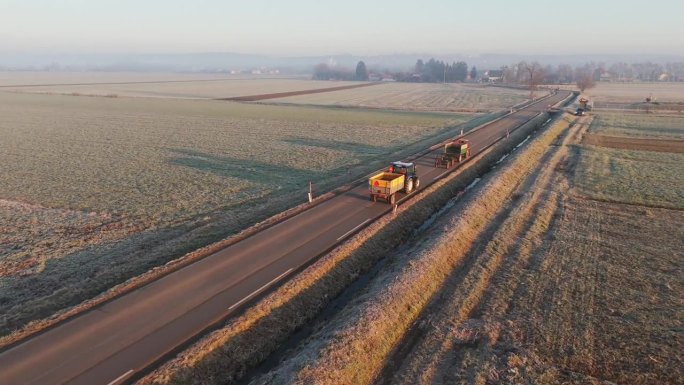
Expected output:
(169, 86)
(418, 96)
(633, 176)
(38, 78)
(97, 190)
(637, 92)
(546, 287)
(638, 144)
(638, 125)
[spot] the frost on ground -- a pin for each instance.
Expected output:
(32, 234)
(419, 97)
(163, 177)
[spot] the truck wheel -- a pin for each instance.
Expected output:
(416, 184)
(409, 186)
(391, 199)
(374, 197)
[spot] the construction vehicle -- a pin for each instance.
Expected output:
(399, 177)
(454, 152)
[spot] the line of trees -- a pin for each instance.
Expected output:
(530, 74)
(533, 74)
(432, 71)
(325, 72)
(437, 71)
(616, 72)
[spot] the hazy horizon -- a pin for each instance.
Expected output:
(311, 28)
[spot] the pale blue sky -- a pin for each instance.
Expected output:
(303, 27)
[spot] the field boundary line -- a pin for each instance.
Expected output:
(254, 98)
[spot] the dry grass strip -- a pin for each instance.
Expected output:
(354, 345)
(448, 322)
(225, 354)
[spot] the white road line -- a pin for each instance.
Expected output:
(354, 229)
(121, 377)
(260, 289)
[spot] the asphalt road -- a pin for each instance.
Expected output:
(109, 344)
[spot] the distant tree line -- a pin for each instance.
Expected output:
(437, 71)
(325, 72)
(529, 74)
(432, 71)
(616, 72)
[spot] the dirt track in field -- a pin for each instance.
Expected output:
(658, 145)
(254, 98)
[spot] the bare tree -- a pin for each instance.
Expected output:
(565, 73)
(585, 80)
(534, 76)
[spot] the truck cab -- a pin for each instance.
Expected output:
(400, 176)
(411, 181)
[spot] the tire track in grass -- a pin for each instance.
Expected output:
(552, 300)
(508, 285)
(494, 306)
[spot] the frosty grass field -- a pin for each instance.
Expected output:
(421, 97)
(99, 189)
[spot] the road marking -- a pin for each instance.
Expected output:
(260, 289)
(354, 229)
(121, 377)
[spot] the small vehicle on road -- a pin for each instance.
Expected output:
(399, 177)
(454, 152)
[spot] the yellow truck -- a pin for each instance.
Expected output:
(399, 177)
